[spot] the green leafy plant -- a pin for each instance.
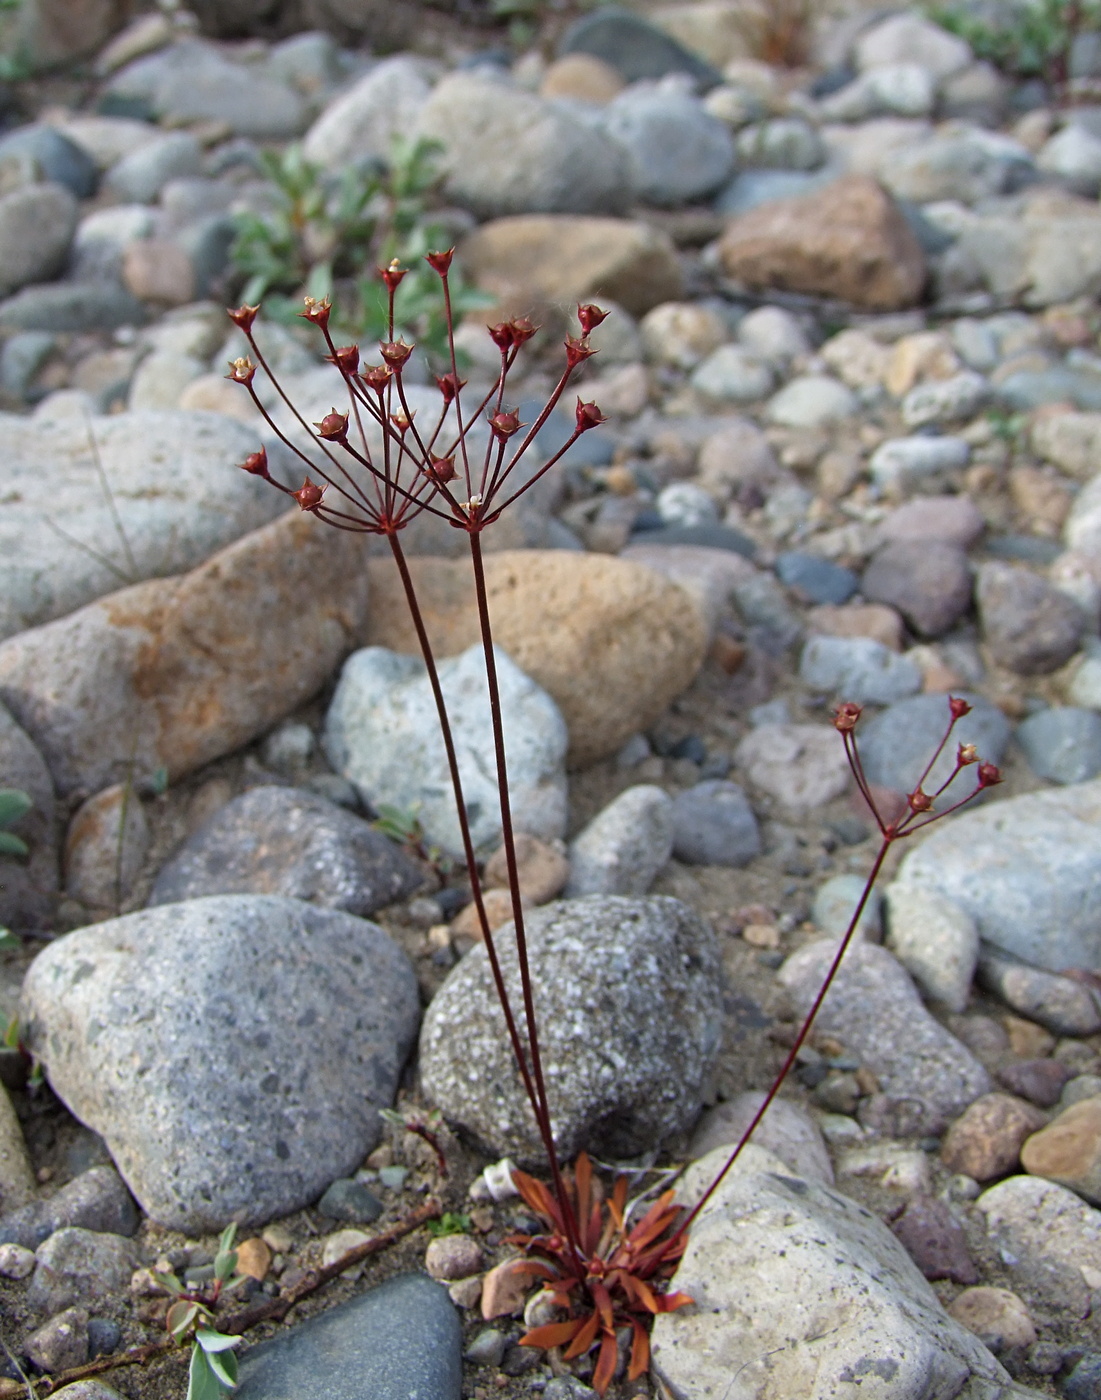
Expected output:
(1029, 40)
(14, 804)
(212, 1372)
(450, 1223)
(405, 828)
(326, 235)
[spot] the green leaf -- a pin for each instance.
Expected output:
(158, 782)
(181, 1316)
(450, 1223)
(224, 1368)
(9, 941)
(13, 805)
(11, 845)
(202, 1383)
(213, 1341)
(169, 1282)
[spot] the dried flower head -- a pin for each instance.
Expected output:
(440, 262)
(333, 427)
(846, 716)
(449, 385)
(990, 775)
(376, 377)
(588, 416)
(965, 754)
(590, 317)
(440, 470)
(241, 370)
(392, 275)
(316, 312)
(244, 316)
(957, 707)
(346, 358)
(504, 424)
(256, 464)
(309, 495)
(395, 352)
(919, 801)
(577, 351)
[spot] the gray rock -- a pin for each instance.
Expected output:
(899, 464)
(1051, 1236)
(835, 903)
(752, 188)
(88, 1390)
(713, 824)
(37, 224)
(947, 519)
(44, 153)
(619, 1078)
(802, 765)
(910, 38)
(80, 1266)
(60, 1343)
(816, 580)
(95, 1200)
(1074, 157)
(773, 334)
(863, 1311)
(139, 177)
(874, 1010)
(191, 81)
(896, 745)
(507, 151)
(782, 143)
(1083, 528)
(966, 166)
(173, 488)
(732, 374)
(623, 848)
(1063, 1006)
(685, 503)
(348, 1199)
(23, 355)
(811, 401)
(276, 840)
(858, 669)
(935, 941)
(1045, 257)
(101, 240)
(398, 1340)
(637, 49)
(787, 1129)
(1069, 441)
(382, 733)
(1030, 626)
(323, 1008)
(71, 306)
(677, 151)
(1025, 869)
(939, 402)
(28, 884)
(737, 454)
(106, 845)
(893, 90)
(927, 581)
(365, 120)
(1062, 743)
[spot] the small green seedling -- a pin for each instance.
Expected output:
(450, 1223)
(213, 1369)
(14, 804)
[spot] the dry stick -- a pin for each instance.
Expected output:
(241, 1321)
(508, 840)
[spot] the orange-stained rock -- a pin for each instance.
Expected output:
(985, 1141)
(504, 1290)
(254, 1258)
(847, 240)
(1068, 1150)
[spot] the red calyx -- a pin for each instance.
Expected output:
(965, 754)
(845, 717)
(588, 416)
(958, 707)
(504, 424)
(333, 427)
(392, 275)
(509, 335)
(346, 359)
(256, 464)
(395, 352)
(309, 494)
(920, 801)
(989, 775)
(376, 377)
(590, 316)
(577, 351)
(449, 385)
(440, 262)
(400, 421)
(244, 316)
(440, 470)
(241, 371)
(316, 312)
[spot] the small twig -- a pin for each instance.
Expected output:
(22, 1374)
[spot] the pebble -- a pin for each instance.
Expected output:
(788, 1130)
(817, 580)
(254, 1258)
(105, 849)
(927, 581)
(911, 38)
(881, 624)
(935, 1240)
(634, 48)
(160, 271)
(875, 1011)
(1069, 441)
(543, 869)
(504, 1290)
(400, 1338)
(997, 1316)
(714, 824)
(28, 884)
(935, 940)
(677, 152)
(1030, 627)
(582, 76)
(1074, 157)
(37, 224)
(1062, 744)
(1040, 1081)
(60, 1343)
(1063, 1006)
(811, 401)
(453, 1257)
(1068, 1150)
(681, 333)
(835, 903)
(283, 841)
(96, 1199)
(896, 744)
(16, 1262)
(686, 504)
(1082, 1086)
(945, 401)
(617, 1077)
(732, 374)
(139, 177)
(364, 121)
(348, 1199)
(1052, 1237)
(857, 669)
(625, 846)
(861, 1298)
(802, 766)
(900, 464)
(188, 971)
(50, 155)
(381, 732)
(1023, 868)
(985, 1142)
(1084, 1381)
(78, 1266)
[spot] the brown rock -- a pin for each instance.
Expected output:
(52, 32)
(466, 1292)
(1026, 1038)
(1031, 627)
(1041, 497)
(848, 240)
(215, 394)
(565, 258)
(62, 1342)
(175, 672)
(950, 519)
(935, 1240)
(17, 1183)
(874, 620)
(453, 1257)
(254, 1258)
(505, 1289)
(985, 1141)
(581, 76)
(105, 848)
(154, 269)
(542, 868)
(928, 581)
(735, 457)
(610, 641)
(1068, 1150)
(996, 1316)
(1039, 1081)
(498, 907)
